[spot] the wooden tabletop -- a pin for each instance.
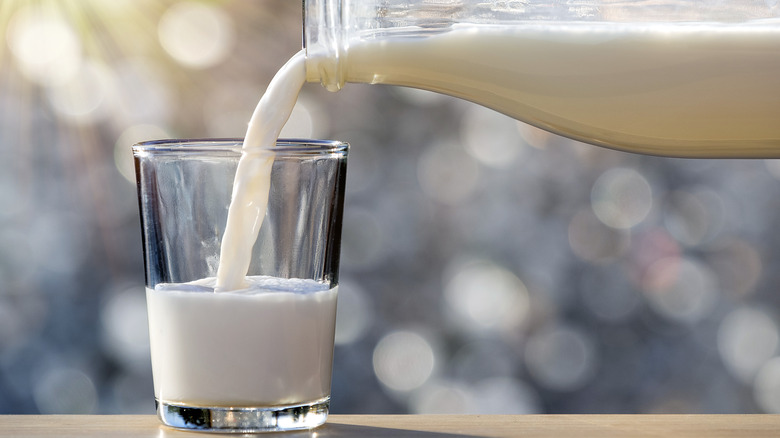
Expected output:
(421, 426)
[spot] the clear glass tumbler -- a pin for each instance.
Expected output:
(257, 359)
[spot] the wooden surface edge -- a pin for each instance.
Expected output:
(422, 426)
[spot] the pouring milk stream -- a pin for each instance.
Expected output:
(253, 176)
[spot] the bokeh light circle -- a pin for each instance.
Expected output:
(442, 397)
(681, 289)
(491, 137)
(747, 338)
(403, 360)
(65, 390)
(561, 357)
(621, 198)
(45, 46)
(85, 97)
(196, 34)
(486, 297)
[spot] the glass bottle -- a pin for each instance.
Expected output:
(680, 78)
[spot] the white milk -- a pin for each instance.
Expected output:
(252, 181)
(680, 90)
(268, 345)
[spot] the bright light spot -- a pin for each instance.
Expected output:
(593, 241)
(125, 328)
(491, 137)
(447, 174)
(747, 338)
(680, 289)
(354, 313)
(65, 391)
(123, 154)
(766, 388)
(196, 34)
(45, 46)
(82, 97)
(486, 297)
(561, 358)
(621, 198)
(403, 360)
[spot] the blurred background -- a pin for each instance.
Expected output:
(487, 266)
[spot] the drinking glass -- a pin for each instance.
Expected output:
(260, 358)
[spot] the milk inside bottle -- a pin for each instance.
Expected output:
(684, 79)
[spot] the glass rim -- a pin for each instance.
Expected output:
(283, 146)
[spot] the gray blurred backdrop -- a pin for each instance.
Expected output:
(487, 266)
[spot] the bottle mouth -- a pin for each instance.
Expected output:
(323, 42)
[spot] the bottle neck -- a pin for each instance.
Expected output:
(330, 25)
(324, 42)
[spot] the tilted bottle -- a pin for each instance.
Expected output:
(673, 78)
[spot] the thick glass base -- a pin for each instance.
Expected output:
(244, 420)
